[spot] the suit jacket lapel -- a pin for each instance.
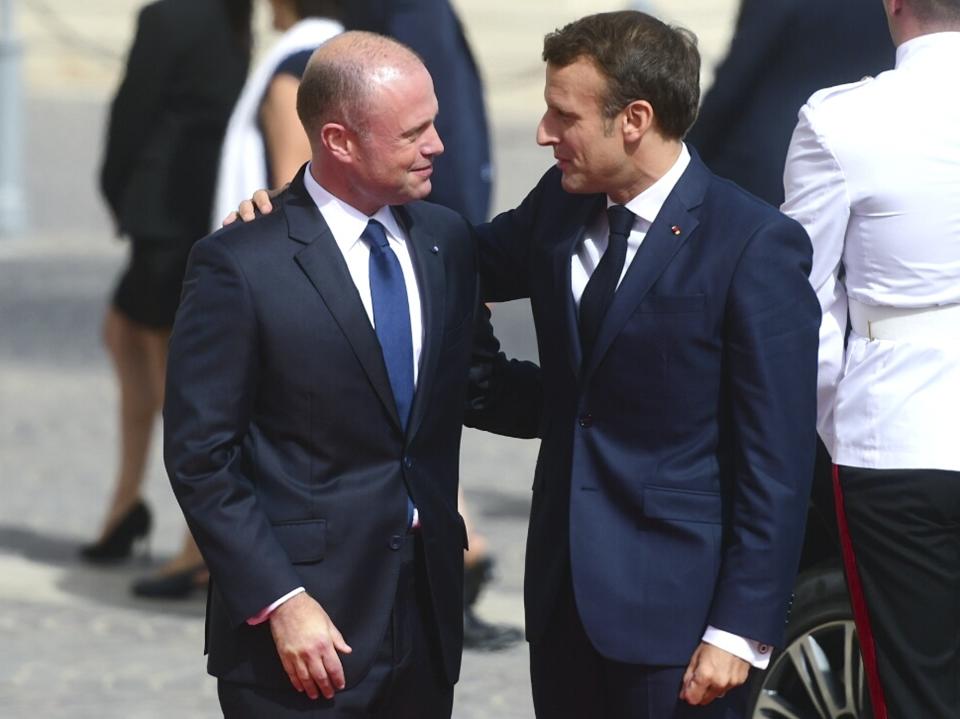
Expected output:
(562, 258)
(658, 248)
(431, 281)
(323, 263)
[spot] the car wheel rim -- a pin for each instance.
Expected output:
(818, 676)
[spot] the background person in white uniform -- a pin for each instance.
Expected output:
(873, 174)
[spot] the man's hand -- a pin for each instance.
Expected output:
(260, 202)
(308, 642)
(712, 673)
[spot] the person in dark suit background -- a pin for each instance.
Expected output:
(463, 174)
(316, 390)
(678, 344)
(781, 52)
(187, 64)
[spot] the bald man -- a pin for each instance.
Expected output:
(316, 385)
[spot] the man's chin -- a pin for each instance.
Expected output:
(421, 190)
(572, 183)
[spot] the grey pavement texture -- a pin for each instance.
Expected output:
(73, 642)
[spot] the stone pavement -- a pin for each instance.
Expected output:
(73, 643)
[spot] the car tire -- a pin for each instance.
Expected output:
(819, 673)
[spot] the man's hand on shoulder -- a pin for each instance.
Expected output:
(259, 203)
(712, 672)
(308, 644)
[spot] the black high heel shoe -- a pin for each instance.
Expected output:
(178, 585)
(118, 544)
(477, 633)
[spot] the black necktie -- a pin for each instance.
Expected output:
(598, 293)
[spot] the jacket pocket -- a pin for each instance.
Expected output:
(682, 505)
(304, 540)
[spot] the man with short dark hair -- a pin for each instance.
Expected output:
(316, 384)
(873, 173)
(677, 336)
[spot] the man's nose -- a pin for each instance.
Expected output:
(544, 137)
(433, 145)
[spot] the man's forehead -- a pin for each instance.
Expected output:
(580, 80)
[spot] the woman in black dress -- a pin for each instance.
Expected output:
(186, 67)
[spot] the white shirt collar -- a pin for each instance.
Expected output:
(918, 45)
(346, 222)
(648, 203)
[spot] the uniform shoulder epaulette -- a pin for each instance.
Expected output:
(820, 95)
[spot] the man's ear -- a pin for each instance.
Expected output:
(636, 120)
(337, 140)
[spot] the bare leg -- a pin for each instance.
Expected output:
(189, 557)
(129, 347)
(477, 572)
(478, 543)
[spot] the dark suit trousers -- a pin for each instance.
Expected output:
(903, 527)
(571, 680)
(406, 680)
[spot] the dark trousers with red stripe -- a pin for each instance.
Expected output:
(901, 535)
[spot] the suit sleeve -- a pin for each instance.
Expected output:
(139, 100)
(760, 27)
(817, 198)
(212, 375)
(504, 245)
(771, 325)
(505, 396)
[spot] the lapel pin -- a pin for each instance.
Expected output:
(676, 230)
(435, 250)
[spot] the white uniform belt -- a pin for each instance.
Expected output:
(877, 322)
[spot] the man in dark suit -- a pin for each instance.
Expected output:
(433, 30)
(781, 52)
(462, 182)
(678, 344)
(317, 377)
(678, 341)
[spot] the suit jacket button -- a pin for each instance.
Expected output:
(586, 420)
(396, 541)
(408, 463)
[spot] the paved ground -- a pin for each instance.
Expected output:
(72, 642)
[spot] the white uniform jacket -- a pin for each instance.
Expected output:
(873, 174)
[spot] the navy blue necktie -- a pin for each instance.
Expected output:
(391, 316)
(600, 288)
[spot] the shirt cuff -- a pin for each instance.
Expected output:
(264, 614)
(757, 654)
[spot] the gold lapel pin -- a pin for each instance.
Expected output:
(676, 229)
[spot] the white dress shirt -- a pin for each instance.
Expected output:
(873, 174)
(586, 256)
(346, 224)
(645, 206)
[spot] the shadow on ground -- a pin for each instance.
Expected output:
(108, 585)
